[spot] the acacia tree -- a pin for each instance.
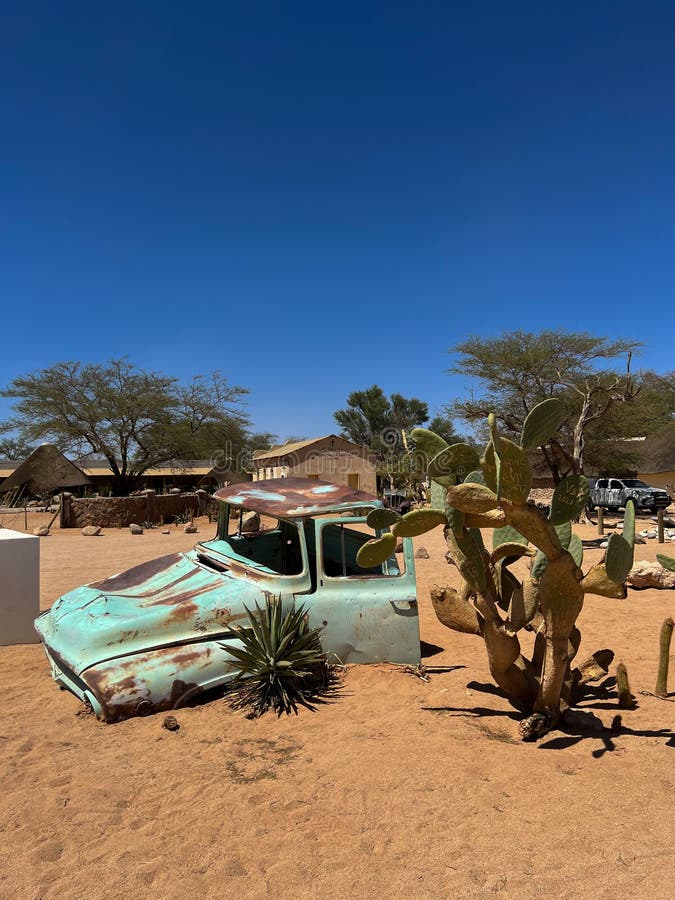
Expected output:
(134, 418)
(520, 369)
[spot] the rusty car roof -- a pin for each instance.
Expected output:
(295, 497)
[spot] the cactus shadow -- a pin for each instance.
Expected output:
(591, 727)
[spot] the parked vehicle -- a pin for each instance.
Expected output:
(396, 500)
(614, 493)
(150, 638)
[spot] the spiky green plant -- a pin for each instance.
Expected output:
(281, 663)
(491, 601)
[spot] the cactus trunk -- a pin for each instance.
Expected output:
(661, 689)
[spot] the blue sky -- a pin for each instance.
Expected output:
(313, 197)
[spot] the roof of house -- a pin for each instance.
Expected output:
(46, 469)
(295, 497)
(280, 450)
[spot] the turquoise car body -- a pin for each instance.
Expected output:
(152, 637)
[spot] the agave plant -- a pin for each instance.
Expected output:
(281, 663)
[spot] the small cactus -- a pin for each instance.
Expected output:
(626, 699)
(661, 689)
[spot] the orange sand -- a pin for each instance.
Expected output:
(374, 795)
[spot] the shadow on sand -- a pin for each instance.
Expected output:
(582, 723)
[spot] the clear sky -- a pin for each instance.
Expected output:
(314, 196)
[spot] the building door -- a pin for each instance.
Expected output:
(353, 480)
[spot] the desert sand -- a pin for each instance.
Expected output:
(397, 788)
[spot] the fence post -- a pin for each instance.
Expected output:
(601, 519)
(659, 526)
(64, 517)
(150, 506)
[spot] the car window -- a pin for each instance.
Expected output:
(602, 483)
(268, 543)
(615, 485)
(339, 547)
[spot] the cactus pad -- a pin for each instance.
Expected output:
(516, 472)
(457, 460)
(569, 499)
(619, 558)
(382, 518)
(666, 561)
(472, 498)
(541, 423)
(418, 521)
(490, 465)
(507, 535)
(376, 551)
(428, 442)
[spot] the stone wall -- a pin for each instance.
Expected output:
(118, 512)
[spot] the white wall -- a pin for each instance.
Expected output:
(19, 587)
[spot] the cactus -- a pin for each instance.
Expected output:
(491, 601)
(661, 689)
(626, 699)
(376, 551)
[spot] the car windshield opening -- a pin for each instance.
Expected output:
(269, 544)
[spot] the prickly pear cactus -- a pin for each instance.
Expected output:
(491, 491)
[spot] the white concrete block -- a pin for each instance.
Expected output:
(19, 587)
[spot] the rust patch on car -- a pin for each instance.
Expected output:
(137, 575)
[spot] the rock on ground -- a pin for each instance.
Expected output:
(91, 530)
(421, 553)
(41, 531)
(135, 529)
(651, 575)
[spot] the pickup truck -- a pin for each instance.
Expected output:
(614, 493)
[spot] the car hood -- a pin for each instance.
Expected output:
(170, 600)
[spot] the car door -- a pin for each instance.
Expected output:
(365, 615)
(615, 493)
(601, 492)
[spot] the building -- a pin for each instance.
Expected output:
(330, 458)
(656, 463)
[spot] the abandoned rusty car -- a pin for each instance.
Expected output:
(151, 638)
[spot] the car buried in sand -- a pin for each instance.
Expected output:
(151, 638)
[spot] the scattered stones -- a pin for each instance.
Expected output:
(91, 530)
(41, 531)
(135, 529)
(604, 545)
(650, 575)
(166, 531)
(190, 529)
(170, 723)
(421, 553)
(174, 491)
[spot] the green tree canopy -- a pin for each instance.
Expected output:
(134, 418)
(378, 422)
(590, 374)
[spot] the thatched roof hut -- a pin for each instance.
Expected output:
(224, 476)
(46, 470)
